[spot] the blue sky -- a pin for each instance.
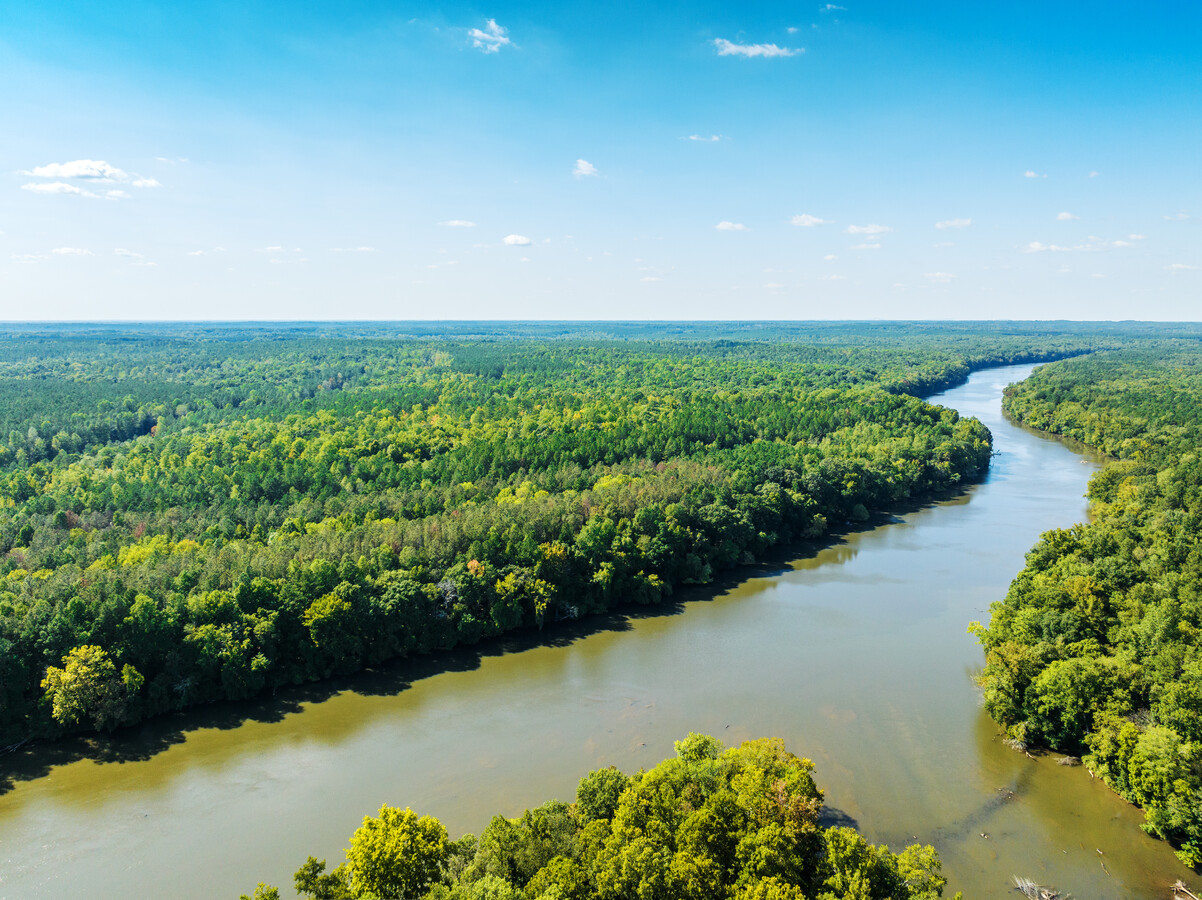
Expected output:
(785, 161)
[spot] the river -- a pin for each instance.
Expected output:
(857, 655)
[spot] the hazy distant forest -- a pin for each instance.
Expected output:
(195, 513)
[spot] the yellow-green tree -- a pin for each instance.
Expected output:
(88, 687)
(396, 854)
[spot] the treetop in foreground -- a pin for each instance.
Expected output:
(710, 823)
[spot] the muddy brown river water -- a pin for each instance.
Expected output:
(856, 655)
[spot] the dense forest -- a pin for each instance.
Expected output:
(711, 822)
(1096, 649)
(197, 513)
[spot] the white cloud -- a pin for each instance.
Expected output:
(196, 253)
(805, 220)
(728, 48)
(867, 229)
(272, 249)
(830, 257)
(1065, 217)
(1093, 244)
(792, 29)
(28, 257)
(116, 195)
(352, 249)
(1180, 267)
(708, 140)
(584, 167)
(731, 226)
(1178, 217)
(940, 277)
(865, 247)
(1094, 174)
(831, 7)
(150, 265)
(834, 278)
(121, 251)
(56, 187)
(491, 39)
(71, 251)
(938, 244)
(516, 240)
(1137, 237)
(1097, 275)
(773, 286)
(953, 223)
(91, 169)
(1030, 173)
(458, 223)
(650, 278)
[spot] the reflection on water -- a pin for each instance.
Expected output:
(856, 654)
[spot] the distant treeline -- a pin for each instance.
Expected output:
(1097, 648)
(741, 823)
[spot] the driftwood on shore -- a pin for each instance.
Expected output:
(1180, 890)
(1033, 891)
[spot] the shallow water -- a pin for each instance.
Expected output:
(857, 655)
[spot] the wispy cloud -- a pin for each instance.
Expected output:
(834, 277)
(830, 257)
(831, 7)
(713, 138)
(805, 220)
(650, 278)
(1093, 244)
(457, 223)
(72, 251)
(121, 251)
(1178, 216)
(953, 223)
(116, 195)
(1065, 217)
(865, 246)
(1094, 174)
(729, 48)
(197, 253)
(1180, 267)
(352, 249)
(584, 168)
(516, 240)
(56, 187)
(940, 277)
(491, 38)
(90, 169)
(731, 226)
(94, 171)
(1137, 237)
(1031, 173)
(867, 229)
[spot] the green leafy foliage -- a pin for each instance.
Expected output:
(223, 511)
(712, 822)
(1096, 648)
